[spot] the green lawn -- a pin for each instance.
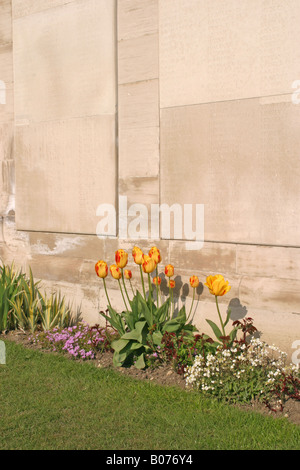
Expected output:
(51, 402)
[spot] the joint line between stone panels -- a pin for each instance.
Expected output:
(117, 144)
(227, 101)
(159, 124)
(236, 243)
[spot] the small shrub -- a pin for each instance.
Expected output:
(244, 373)
(80, 341)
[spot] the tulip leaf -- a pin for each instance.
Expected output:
(140, 363)
(228, 317)
(181, 317)
(157, 338)
(172, 326)
(138, 333)
(162, 311)
(215, 329)
(144, 310)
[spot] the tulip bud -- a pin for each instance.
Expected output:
(157, 281)
(155, 254)
(137, 255)
(121, 258)
(101, 269)
(115, 271)
(194, 281)
(217, 285)
(128, 274)
(171, 283)
(148, 264)
(169, 270)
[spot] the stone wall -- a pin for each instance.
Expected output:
(159, 101)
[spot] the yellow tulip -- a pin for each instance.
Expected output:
(217, 285)
(194, 281)
(101, 269)
(137, 255)
(115, 271)
(148, 264)
(169, 270)
(155, 254)
(171, 283)
(157, 281)
(128, 274)
(121, 258)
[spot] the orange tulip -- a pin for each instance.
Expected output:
(169, 270)
(155, 254)
(217, 285)
(115, 271)
(137, 255)
(128, 274)
(148, 264)
(171, 283)
(194, 281)
(157, 281)
(121, 258)
(101, 269)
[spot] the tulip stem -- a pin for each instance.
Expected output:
(192, 304)
(222, 324)
(131, 287)
(157, 286)
(104, 283)
(125, 286)
(122, 294)
(150, 291)
(143, 284)
(170, 308)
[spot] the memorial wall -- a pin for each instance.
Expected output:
(144, 103)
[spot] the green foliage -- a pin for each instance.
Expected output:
(23, 306)
(142, 328)
(54, 312)
(11, 284)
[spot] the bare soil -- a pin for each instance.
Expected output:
(163, 375)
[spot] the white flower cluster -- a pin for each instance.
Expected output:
(231, 365)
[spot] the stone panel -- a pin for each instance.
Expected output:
(64, 62)
(137, 18)
(139, 152)
(28, 7)
(279, 295)
(138, 59)
(241, 160)
(7, 109)
(214, 258)
(5, 22)
(138, 105)
(64, 170)
(268, 261)
(6, 63)
(215, 51)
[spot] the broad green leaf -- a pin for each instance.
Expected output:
(140, 363)
(215, 329)
(157, 337)
(138, 333)
(144, 310)
(172, 326)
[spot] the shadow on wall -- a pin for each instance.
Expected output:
(182, 291)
